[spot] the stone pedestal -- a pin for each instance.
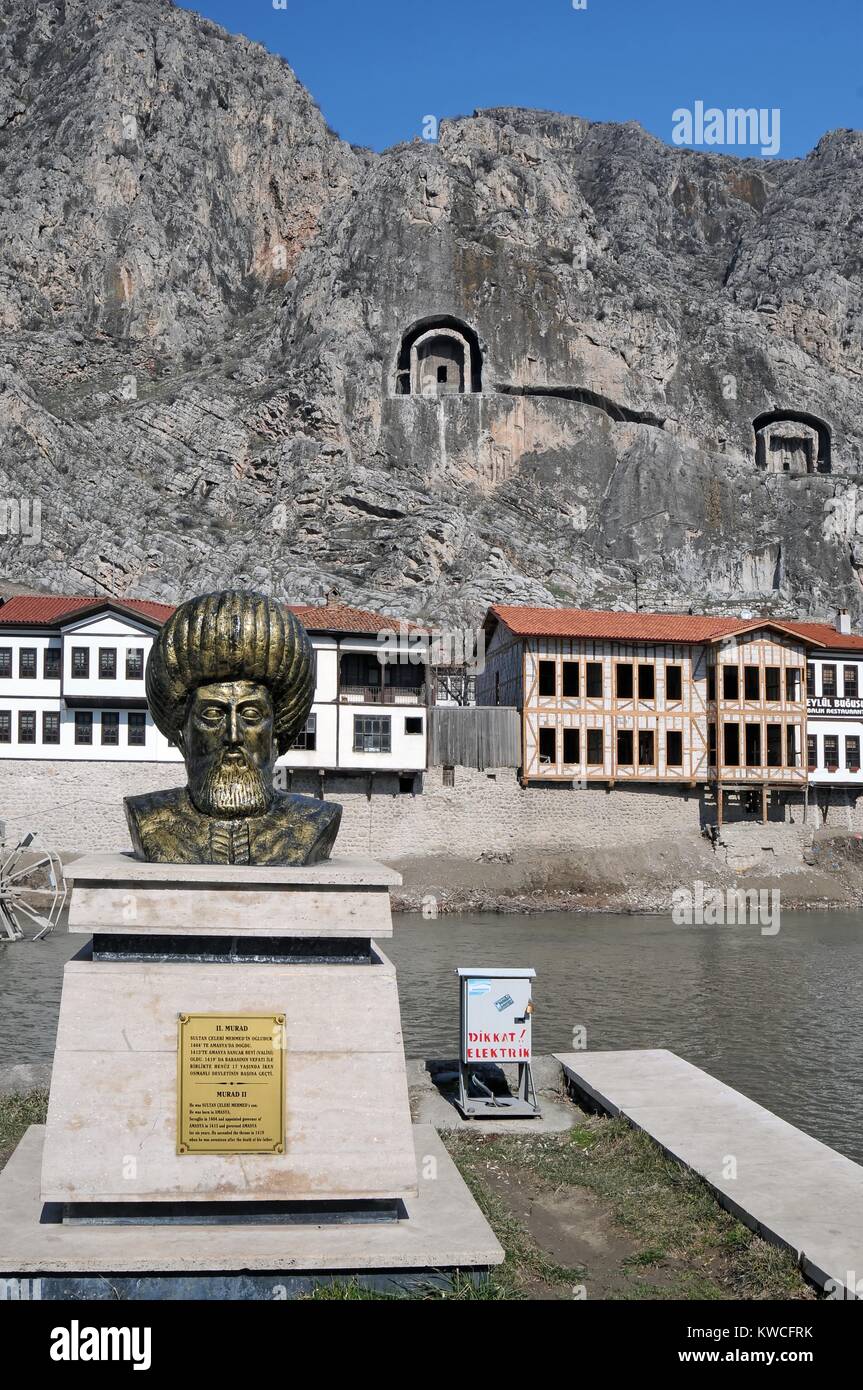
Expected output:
(158, 952)
(299, 944)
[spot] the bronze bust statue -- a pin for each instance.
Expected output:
(230, 680)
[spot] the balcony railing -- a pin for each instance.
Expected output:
(382, 695)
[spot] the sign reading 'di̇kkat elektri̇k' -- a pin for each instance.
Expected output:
(496, 1016)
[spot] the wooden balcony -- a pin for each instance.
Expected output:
(382, 695)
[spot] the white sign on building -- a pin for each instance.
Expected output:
(834, 722)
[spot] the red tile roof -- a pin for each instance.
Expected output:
(648, 627)
(830, 636)
(52, 609)
(339, 617)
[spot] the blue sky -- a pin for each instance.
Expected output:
(378, 67)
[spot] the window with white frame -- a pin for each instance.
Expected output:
(83, 726)
(372, 734)
(307, 739)
(137, 729)
(135, 664)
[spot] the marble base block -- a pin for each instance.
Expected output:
(118, 894)
(112, 1120)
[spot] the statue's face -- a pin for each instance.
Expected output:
(228, 747)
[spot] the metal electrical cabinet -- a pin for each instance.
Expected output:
(496, 1008)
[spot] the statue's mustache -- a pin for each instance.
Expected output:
(229, 785)
(238, 757)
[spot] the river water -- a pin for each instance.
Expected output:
(778, 1017)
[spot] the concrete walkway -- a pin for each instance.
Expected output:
(779, 1181)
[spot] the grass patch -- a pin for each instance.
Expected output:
(17, 1114)
(678, 1233)
(526, 1264)
(463, 1291)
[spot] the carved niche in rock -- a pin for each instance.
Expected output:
(792, 444)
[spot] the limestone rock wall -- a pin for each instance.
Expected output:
(203, 294)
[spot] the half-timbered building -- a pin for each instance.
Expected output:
(649, 698)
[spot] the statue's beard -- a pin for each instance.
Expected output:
(226, 789)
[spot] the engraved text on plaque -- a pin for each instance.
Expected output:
(231, 1084)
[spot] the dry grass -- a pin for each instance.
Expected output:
(17, 1113)
(669, 1218)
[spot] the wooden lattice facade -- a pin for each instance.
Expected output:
(727, 709)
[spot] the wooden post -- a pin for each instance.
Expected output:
(719, 805)
(765, 793)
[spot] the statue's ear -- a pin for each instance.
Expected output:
(180, 735)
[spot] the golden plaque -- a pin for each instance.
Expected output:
(231, 1084)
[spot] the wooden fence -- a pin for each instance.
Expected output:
(478, 736)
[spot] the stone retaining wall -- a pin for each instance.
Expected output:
(78, 806)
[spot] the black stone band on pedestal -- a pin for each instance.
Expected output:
(317, 1213)
(234, 950)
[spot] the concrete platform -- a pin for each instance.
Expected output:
(432, 1096)
(444, 1231)
(786, 1186)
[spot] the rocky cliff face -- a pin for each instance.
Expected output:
(204, 295)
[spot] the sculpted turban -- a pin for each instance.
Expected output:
(232, 636)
